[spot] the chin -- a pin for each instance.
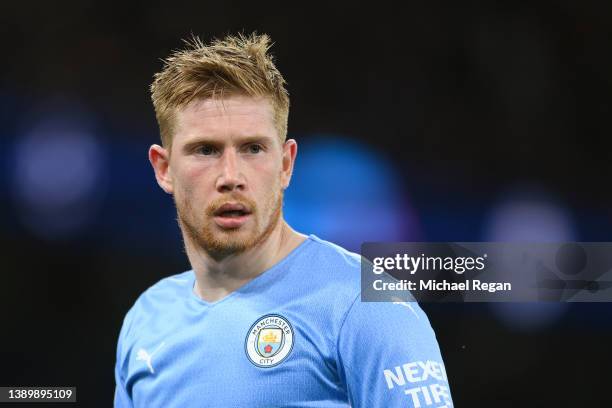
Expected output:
(233, 240)
(233, 234)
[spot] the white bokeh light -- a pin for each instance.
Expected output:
(529, 216)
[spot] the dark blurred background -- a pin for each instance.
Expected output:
(439, 121)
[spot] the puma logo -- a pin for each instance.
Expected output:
(143, 355)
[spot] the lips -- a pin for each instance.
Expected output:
(231, 210)
(231, 215)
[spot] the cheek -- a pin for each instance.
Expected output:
(186, 197)
(265, 179)
(271, 168)
(192, 179)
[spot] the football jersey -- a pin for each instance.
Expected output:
(297, 335)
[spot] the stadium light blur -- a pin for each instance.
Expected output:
(347, 192)
(530, 215)
(58, 175)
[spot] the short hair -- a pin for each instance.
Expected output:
(235, 65)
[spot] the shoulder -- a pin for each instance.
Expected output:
(328, 268)
(324, 283)
(167, 290)
(162, 296)
(334, 261)
(367, 335)
(386, 321)
(335, 253)
(340, 270)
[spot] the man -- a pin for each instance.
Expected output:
(267, 317)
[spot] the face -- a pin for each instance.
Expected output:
(227, 171)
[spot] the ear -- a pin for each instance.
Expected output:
(289, 154)
(160, 160)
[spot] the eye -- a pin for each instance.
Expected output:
(206, 150)
(254, 148)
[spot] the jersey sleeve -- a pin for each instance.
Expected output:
(122, 399)
(388, 356)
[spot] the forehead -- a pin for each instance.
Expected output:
(228, 117)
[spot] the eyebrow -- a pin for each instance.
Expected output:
(189, 146)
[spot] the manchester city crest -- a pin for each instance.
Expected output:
(269, 340)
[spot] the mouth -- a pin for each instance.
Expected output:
(231, 216)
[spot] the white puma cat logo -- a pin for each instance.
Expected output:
(145, 356)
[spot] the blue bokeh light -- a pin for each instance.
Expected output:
(58, 176)
(348, 193)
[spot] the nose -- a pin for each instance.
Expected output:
(230, 178)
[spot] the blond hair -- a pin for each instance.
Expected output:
(234, 65)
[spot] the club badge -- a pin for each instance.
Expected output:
(269, 341)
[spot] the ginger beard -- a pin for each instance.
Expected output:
(199, 227)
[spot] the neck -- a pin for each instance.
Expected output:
(216, 279)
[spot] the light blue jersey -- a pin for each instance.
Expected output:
(295, 336)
